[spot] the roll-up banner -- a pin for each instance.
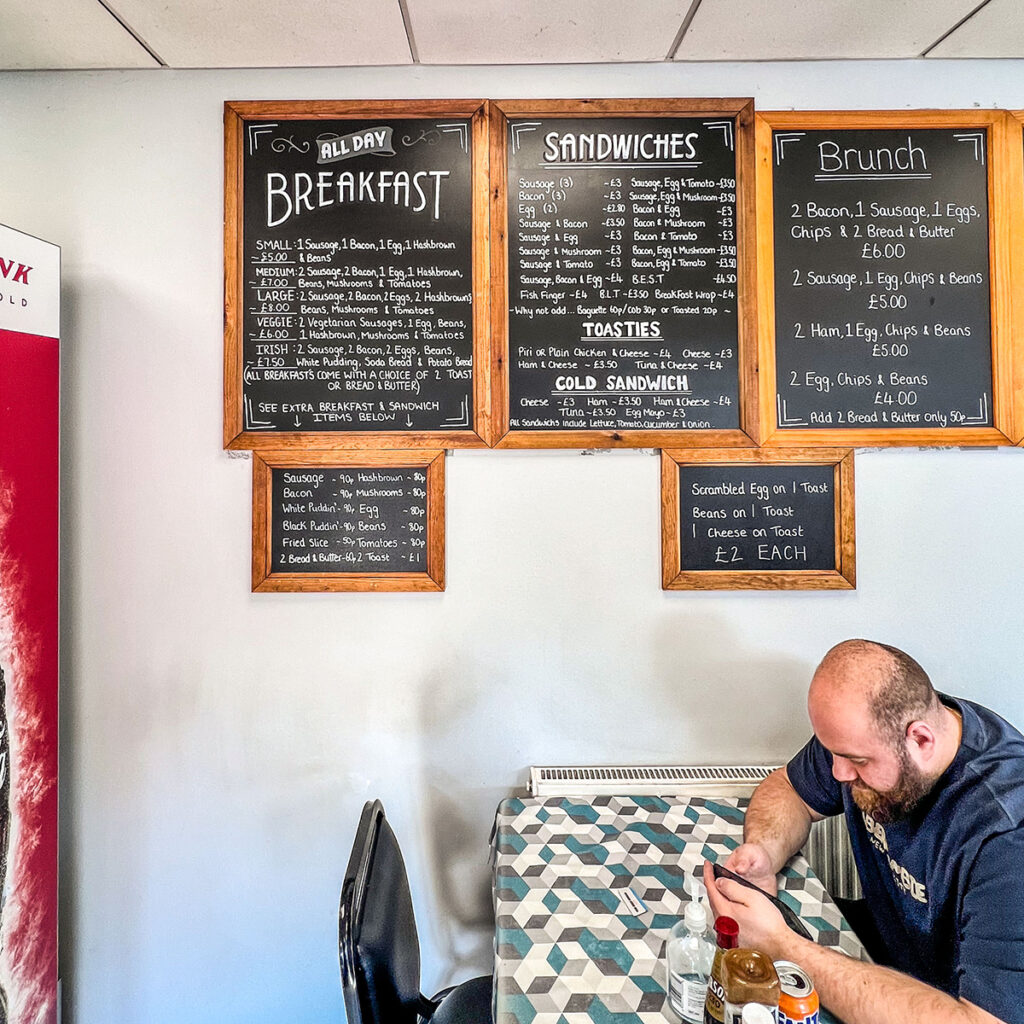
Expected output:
(29, 549)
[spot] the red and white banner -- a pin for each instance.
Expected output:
(29, 465)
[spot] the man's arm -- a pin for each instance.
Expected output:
(776, 826)
(857, 992)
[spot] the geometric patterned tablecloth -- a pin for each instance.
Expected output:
(572, 946)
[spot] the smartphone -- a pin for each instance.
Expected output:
(788, 915)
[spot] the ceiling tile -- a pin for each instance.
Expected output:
(39, 34)
(997, 30)
(270, 33)
(817, 29)
(544, 31)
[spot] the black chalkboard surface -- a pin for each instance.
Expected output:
(758, 519)
(623, 279)
(355, 275)
(764, 518)
(882, 279)
(348, 521)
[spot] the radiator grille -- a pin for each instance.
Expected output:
(648, 780)
(828, 848)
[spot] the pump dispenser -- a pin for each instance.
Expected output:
(690, 953)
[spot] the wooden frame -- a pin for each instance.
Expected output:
(264, 580)
(996, 124)
(741, 111)
(843, 577)
(236, 114)
(1015, 175)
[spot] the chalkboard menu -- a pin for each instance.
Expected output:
(623, 317)
(348, 521)
(880, 263)
(758, 520)
(352, 266)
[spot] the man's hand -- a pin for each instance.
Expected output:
(761, 925)
(754, 863)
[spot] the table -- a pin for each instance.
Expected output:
(571, 946)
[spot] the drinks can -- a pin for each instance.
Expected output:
(798, 1001)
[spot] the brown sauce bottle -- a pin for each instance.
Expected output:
(748, 976)
(727, 935)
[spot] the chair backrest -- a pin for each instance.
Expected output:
(378, 946)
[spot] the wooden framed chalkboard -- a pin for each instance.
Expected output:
(355, 255)
(734, 519)
(348, 520)
(884, 278)
(622, 273)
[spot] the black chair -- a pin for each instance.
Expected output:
(378, 946)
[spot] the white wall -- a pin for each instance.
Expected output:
(218, 746)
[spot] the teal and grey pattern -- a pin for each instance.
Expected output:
(571, 945)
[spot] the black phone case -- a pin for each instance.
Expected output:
(788, 915)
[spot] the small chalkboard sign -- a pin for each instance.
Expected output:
(622, 273)
(758, 520)
(348, 520)
(883, 264)
(355, 253)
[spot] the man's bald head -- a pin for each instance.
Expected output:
(888, 683)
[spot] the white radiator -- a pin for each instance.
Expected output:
(828, 847)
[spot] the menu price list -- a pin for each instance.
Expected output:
(757, 517)
(358, 282)
(622, 274)
(358, 519)
(882, 281)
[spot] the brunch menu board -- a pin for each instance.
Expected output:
(348, 521)
(758, 520)
(352, 268)
(881, 279)
(623, 317)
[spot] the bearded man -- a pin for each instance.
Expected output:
(933, 792)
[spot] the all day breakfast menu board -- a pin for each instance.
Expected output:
(355, 275)
(883, 280)
(758, 520)
(348, 521)
(623, 284)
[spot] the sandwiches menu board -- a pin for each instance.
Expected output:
(621, 301)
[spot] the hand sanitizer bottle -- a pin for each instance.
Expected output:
(690, 953)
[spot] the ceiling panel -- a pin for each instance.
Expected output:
(65, 34)
(544, 31)
(997, 30)
(817, 29)
(270, 33)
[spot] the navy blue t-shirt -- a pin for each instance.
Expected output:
(946, 885)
